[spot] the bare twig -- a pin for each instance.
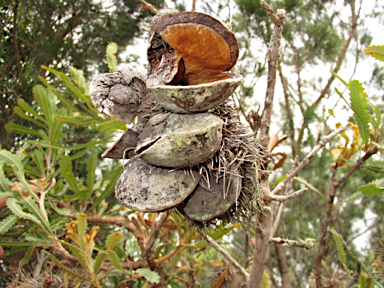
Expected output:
(307, 158)
(355, 277)
(287, 197)
(216, 246)
(273, 62)
(307, 243)
(154, 233)
(149, 6)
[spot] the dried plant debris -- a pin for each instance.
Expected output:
(147, 188)
(180, 140)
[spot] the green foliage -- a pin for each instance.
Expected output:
(375, 51)
(111, 56)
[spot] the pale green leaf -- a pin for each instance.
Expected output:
(91, 169)
(27, 108)
(112, 240)
(376, 51)
(4, 181)
(66, 171)
(15, 128)
(111, 56)
(98, 261)
(38, 158)
(70, 148)
(333, 231)
(79, 253)
(111, 125)
(151, 276)
(65, 268)
(81, 230)
(371, 189)
(114, 259)
(340, 251)
(111, 179)
(46, 102)
(78, 77)
(84, 195)
(55, 133)
(33, 207)
(18, 211)
(79, 121)
(22, 114)
(7, 223)
(359, 104)
(310, 186)
(21, 244)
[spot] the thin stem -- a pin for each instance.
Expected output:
(307, 158)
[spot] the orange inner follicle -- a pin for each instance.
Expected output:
(204, 52)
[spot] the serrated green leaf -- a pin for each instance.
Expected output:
(114, 259)
(151, 276)
(22, 114)
(66, 171)
(371, 189)
(4, 181)
(46, 102)
(81, 230)
(79, 121)
(84, 195)
(33, 207)
(55, 133)
(77, 93)
(65, 268)
(18, 211)
(38, 158)
(111, 179)
(110, 52)
(44, 136)
(91, 169)
(376, 51)
(359, 104)
(112, 240)
(27, 108)
(28, 256)
(310, 186)
(76, 251)
(15, 128)
(111, 125)
(340, 251)
(20, 244)
(70, 148)
(333, 231)
(7, 223)
(78, 77)
(98, 261)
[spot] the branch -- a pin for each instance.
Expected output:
(149, 6)
(216, 246)
(307, 158)
(273, 62)
(307, 243)
(285, 198)
(154, 233)
(355, 277)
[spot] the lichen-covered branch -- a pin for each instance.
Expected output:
(307, 243)
(265, 218)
